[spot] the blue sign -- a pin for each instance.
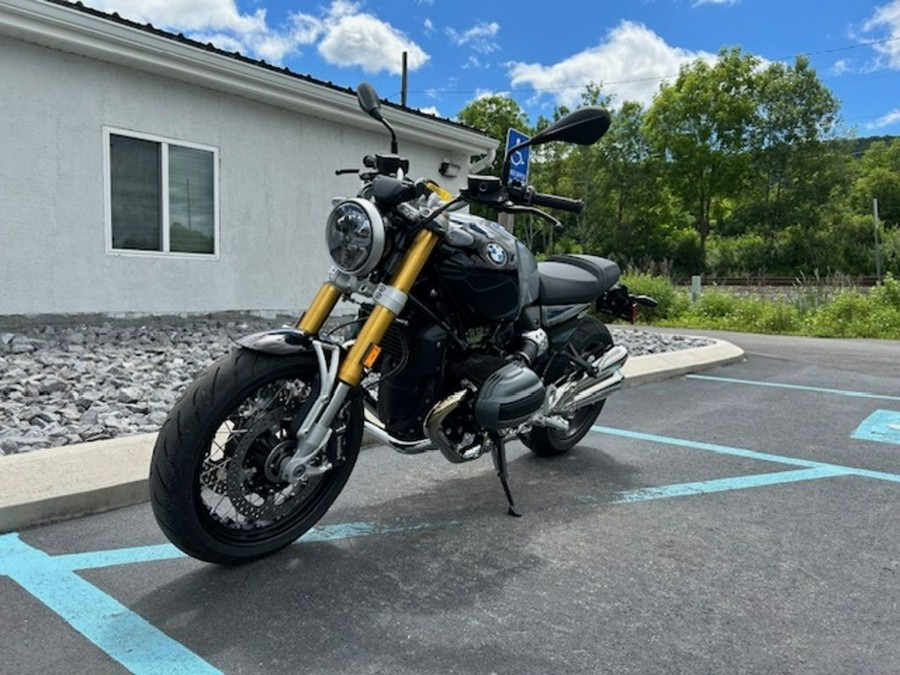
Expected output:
(518, 162)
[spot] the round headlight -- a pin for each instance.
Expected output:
(355, 236)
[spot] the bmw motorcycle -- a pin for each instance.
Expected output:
(462, 342)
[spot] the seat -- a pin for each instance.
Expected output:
(575, 278)
(605, 269)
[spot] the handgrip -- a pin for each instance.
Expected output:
(556, 202)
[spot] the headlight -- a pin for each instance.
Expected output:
(355, 236)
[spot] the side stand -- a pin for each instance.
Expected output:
(498, 454)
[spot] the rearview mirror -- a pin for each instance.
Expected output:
(368, 100)
(584, 126)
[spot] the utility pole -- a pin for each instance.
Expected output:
(877, 244)
(405, 79)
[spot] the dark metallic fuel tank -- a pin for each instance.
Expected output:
(488, 273)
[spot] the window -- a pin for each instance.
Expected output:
(162, 195)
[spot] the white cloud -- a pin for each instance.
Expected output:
(345, 35)
(479, 37)
(885, 21)
(630, 64)
(187, 14)
(887, 120)
(842, 66)
(366, 41)
(697, 3)
(430, 110)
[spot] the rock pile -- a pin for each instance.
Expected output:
(63, 385)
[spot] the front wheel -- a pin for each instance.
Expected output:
(590, 339)
(214, 485)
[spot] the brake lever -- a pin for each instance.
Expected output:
(509, 207)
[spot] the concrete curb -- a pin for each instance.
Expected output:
(74, 480)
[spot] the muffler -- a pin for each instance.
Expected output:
(598, 391)
(593, 389)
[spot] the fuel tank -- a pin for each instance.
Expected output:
(487, 272)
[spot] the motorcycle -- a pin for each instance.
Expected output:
(461, 343)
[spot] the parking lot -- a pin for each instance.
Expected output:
(742, 520)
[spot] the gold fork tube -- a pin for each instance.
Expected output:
(372, 332)
(319, 310)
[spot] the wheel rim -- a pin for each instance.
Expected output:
(236, 487)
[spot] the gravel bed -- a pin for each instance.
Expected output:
(73, 384)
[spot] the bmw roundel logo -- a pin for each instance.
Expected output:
(495, 253)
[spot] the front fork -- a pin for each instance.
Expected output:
(339, 376)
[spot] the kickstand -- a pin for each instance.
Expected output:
(498, 454)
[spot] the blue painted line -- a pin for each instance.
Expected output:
(139, 554)
(727, 484)
(121, 556)
(749, 454)
(882, 426)
(709, 447)
(797, 387)
(122, 634)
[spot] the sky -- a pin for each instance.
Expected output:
(543, 54)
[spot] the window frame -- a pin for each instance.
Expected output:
(164, 143)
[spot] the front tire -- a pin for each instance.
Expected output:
(214, 486)
(590, 339)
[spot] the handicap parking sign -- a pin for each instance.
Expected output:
(518, 161)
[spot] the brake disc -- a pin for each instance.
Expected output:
(252, 492)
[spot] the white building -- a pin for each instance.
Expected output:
(143, 173)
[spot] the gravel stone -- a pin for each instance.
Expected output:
(62, 385)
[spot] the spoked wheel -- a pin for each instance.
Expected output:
(214, 482)
(590, 339)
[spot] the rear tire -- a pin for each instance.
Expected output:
(590, 339)
(213, 488)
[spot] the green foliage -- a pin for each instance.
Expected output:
(809, 310)
(495, 115)
(732, 169)
(887, 293)
(671, 301)
(738, 256)
(725, 311)
(879, 178)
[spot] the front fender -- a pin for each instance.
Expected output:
(280, 342)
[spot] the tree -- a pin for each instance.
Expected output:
(879, 178)
(700, 126)
(494, 115)
(795, 113)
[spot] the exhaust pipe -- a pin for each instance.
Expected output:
(376, 430)
(599, 391)
(591, 390)
(611, 360)
(456, 453)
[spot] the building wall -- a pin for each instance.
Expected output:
(276, 179)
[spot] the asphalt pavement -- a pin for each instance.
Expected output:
(738, 520)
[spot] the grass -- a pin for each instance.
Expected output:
(808, 309)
